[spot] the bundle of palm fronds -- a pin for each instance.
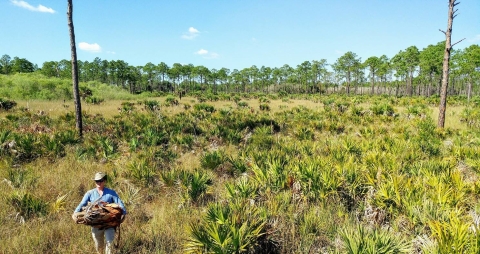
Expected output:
(100, 214)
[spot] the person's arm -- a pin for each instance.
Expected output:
(120, 203)
(116, 199)
(84, 202)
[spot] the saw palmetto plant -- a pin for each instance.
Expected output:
(231, 228)
(195, 186)
(364, 240)
(142, 172)
(454, 234)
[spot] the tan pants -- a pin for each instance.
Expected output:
(99, 237)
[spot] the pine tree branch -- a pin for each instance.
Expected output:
(457, 42)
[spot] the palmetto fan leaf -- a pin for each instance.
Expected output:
(242, 189)
(234, 227)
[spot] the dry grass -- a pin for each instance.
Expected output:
(452, 118)
(110, 108)
(275, 105)
(153, 224)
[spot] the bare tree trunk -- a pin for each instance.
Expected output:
(409, 90)
(348, 83)
(429, 93)
(373, 83)
(76, 96)
(469, 91)
(446, 61)
(397, 88)
(385, 86)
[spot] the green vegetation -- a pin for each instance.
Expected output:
(36, 86)
(320, 174)
(411, 71)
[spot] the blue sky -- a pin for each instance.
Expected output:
(231, 34)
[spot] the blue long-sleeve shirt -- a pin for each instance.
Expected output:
(109, 196)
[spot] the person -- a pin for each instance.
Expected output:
(107, 195)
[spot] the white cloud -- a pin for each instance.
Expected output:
(111, 52)
(25, 5)
(89, 47)
(193, 30)
(206, 54)
(202, 52)
(191, 34)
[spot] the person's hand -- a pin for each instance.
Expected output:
(122, 218)
(74, 217)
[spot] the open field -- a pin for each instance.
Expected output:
(111, 108)
(314, 175)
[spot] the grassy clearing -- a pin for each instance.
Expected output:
(110, 108)
(316, 175)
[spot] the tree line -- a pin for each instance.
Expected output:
(410, 72)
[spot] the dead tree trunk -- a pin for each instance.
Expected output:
(446, 61)
(76, 94)
(469, 90)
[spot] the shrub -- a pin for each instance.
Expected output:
(204, 107)
(362, 240)
(263, 99)
(106, 147)
(417, 110)
(195, 186)
(68, 137)
(211, 160)
(94, 100)
(238, 166)
(304, 133)
(262, 138)
(382, 109)
(28, 205)
(171, 100)
(51, 147)
(142, 172)
(27, 147)
(282, 94)
(264, 107)
(151, 105)
(242, 104)
(5, 144)
(427, 138)
(20, 178)
(471, 116)
(237, 99)
(453, 236)
(127, 107)
(230, 228)
(7, 104)
(185, 139)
